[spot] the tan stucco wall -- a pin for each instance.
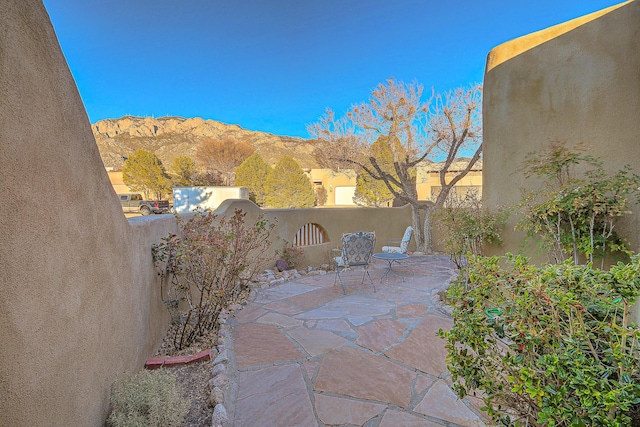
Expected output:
(578, 81)
(388, 223)
(80, 300)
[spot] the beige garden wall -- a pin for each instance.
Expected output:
(388, 223)
(578, 81)
(80, 301)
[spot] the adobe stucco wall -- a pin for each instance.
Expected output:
(79, 301)
(578, 81)
(388, 223)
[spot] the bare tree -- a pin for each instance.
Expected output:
(444, 127)
(223, 156)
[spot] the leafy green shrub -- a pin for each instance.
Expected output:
(208, 266)
(548, 346)
(468, 226)
(575, 214)
(148, 399)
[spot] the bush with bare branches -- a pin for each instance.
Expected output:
(207, 268)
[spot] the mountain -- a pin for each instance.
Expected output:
(170, 137)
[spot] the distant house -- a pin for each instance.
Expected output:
(428, 180)
(118, 184)
(340, 186)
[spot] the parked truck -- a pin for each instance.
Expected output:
(203, 198)
(134, 202)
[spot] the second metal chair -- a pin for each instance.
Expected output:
(357, 249)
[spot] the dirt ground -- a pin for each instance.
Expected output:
(194, 381)
(194, 378)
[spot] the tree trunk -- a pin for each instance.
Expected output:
(428, 242)
(421, 228)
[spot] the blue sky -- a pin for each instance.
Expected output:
(276, 65)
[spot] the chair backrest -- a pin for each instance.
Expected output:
(357, 248)
(404, 244)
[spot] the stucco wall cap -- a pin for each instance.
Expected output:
(515, 47)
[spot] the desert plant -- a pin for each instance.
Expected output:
(548, 346)
(207, 267)
(467, 226)
(574, 215)
(148, 399)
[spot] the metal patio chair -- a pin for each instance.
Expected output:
(357, 249)
(404, 243)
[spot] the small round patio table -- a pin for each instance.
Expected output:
(391, 258)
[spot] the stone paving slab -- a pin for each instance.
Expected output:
(441, 402)
(334, 325)
(362, 375)
(403, 419)
(422, 383)
(397, 295)
(413, 311)
(283, 307)
(380, 334)
(355, 306)
(336, 411)
(257, 344)
(422, 341)
(280, 320)
(309, 356)
(282, 291)
(316, 342)
(250, 312)
(314, 298)
(281, 390)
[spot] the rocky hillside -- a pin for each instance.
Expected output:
(170, 137)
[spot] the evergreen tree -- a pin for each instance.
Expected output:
(183, 171)
(371, 192)
(374, 192)
(288, 186)
(253, 173)
(144, 172)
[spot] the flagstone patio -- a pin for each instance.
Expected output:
(307, 355)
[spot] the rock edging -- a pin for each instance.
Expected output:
(223, 385)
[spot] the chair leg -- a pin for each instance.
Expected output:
(336, 279)
(370, 280)
(366, 273)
